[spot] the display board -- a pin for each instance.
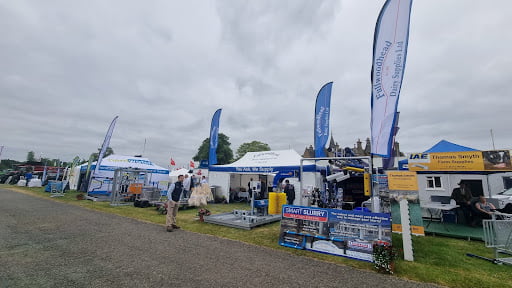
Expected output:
(404, 185)
(495, 160)
(339, 232)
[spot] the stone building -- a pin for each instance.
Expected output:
(358, 149)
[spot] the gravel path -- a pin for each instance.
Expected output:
(44, 243)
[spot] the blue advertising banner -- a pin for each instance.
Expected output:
(106, 143)
(203, 164)
(322, 112)
(214, 138)
(391, 39)
(346, 233)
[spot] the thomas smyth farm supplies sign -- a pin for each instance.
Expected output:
(495, 160)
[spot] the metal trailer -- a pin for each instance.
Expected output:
(498, 235)
(123, 179)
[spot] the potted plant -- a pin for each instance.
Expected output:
(384, 256)
(203, 212)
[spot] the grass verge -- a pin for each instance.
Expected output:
(438, 260)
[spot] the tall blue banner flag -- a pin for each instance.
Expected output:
(322, 111)
(106, 142)
(214, 138)
(389, 53)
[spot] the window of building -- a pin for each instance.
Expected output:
(434, 182)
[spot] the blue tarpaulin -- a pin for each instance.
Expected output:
(446, 146)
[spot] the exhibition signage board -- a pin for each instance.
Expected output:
(322, 112)
(214, 138)
(402, 180)
(334, 231)
(495, 160)
(390, 43)
(404, 185)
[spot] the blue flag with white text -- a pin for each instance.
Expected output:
(106, 142)
(214, 138)
(389, 53)
(322, 112)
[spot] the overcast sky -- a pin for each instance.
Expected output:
(69, 67)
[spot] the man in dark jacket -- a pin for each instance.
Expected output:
(462, 196)
(289, 190)
(173, 195)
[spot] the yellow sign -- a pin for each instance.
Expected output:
(415, 230)
(402, 180)
(496, 160)
(367, 184)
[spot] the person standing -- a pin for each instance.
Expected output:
(462, 197)
(174, 194)
(289, 190)
(186, 186)
(249, 188)
(203, 180)
(28, 177)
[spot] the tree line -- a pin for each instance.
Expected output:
(225, 154)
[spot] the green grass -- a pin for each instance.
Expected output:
(438, 260)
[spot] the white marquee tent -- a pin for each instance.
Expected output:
(158, 176)
(278, 163)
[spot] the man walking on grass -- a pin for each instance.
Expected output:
(173, 194)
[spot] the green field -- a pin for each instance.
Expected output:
(438, 260)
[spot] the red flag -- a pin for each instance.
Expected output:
(172, 162)
(192, 165)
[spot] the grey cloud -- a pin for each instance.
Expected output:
(165, 66)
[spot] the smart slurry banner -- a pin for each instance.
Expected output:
(322, 112)
(389, 54)
(305, 213)
(339, 232)
(214, 138)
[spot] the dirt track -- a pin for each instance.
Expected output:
(44, 243)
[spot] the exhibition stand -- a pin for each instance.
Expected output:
(247, 219)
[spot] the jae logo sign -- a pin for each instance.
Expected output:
(419, 158)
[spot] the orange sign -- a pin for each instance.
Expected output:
(402, 180)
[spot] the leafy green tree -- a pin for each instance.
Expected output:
(8, 164)
(224, 152)
(109, 151)
(31, 156)
(254, 146)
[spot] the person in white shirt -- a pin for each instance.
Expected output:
(186, 186)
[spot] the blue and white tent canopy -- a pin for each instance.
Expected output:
(266, 162)
(101, 183)
(111, 163)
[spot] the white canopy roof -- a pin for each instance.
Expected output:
(266, 162)
(112, 162)
(179, 172)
